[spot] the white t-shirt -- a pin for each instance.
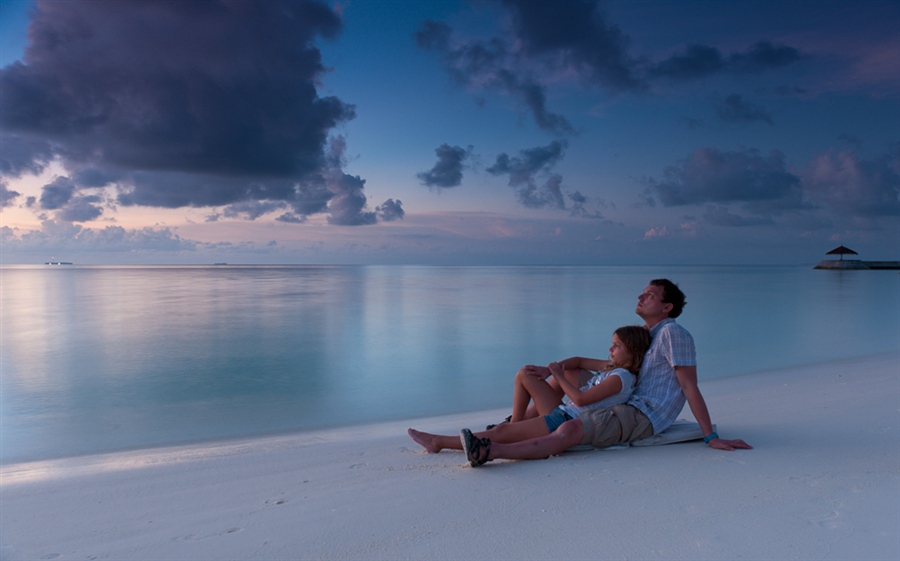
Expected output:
(621, 397)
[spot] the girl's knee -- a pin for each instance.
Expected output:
(571, 431)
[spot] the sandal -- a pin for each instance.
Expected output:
(477, 449)
(503, 422)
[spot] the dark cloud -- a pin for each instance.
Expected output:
(20, 155)
(7, 196)
(390, 210)
(524, 169)
(447, 172)
(530, 162)
(61, 195)
(490, 65)
(841, 182)
(575, 34)
(548, 195)
(251, 210)
(578, 34)
(348, 201)
(57, 193)
(291, 218)
(711, 176)
(721, 216)
(701, 61)
(433, 35)
(579, 206)
(201, 103)
(763, 56)
(81, 209)
(697, 61)
(854, 186)
(94, 177)
(735, 109)
(576, 38)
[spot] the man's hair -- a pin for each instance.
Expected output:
(671, 295)
(636, 339)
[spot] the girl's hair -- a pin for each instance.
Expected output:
(636, 340)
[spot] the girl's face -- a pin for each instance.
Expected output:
(618, 354)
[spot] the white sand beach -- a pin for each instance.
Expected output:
(823, 482)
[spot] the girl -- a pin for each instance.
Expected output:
(533, 383)
(609, 387)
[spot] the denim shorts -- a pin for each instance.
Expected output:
(556, 418)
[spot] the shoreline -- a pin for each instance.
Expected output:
(493, 414)
(821, 482)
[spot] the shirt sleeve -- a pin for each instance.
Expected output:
(678, 347)
(627, 380)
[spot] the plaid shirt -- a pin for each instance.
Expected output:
(658, 394)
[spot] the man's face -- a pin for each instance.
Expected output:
(650, 304)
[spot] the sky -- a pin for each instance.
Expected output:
(475, 132)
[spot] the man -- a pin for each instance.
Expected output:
(667, 379)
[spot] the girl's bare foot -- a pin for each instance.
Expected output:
(427, 441)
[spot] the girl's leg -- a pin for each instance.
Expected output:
(506, 432)
(567, 435)
(521, 398)
(546, 396)
(577, 377)
(434, 443)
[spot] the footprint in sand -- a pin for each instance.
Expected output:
(831, 521)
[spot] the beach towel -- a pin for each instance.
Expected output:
(680, 431)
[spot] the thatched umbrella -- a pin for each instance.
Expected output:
(842, 251)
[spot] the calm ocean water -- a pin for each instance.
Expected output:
(101, 358)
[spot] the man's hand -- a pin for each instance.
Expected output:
(722, 444)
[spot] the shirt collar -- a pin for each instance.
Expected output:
(655, 329)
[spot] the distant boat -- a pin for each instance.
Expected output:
(58, 263)
(220, 263)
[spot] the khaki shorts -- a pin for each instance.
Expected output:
(615, 425)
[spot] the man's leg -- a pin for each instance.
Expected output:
(567, 435)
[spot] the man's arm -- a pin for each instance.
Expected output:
(687, 377)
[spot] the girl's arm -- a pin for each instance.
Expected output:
(576, 362)
(610, 386)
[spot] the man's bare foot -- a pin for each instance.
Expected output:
(427, 441)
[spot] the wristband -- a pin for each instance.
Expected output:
(710, 436)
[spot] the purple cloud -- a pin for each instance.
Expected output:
(202, 103)
(854, 186)
(709, 175)
(447, 172)
(523, 169)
